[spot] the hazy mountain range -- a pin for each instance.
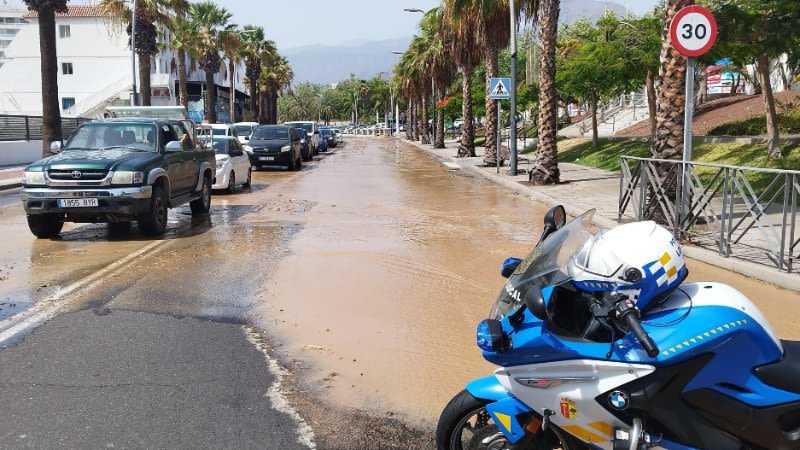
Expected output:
(329, 64)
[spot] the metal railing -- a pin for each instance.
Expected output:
(746, 212)
(29, 128)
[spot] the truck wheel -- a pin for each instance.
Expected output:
(154, 223)
(45, 225)
(203, 204)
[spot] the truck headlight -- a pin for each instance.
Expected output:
(221, 163)
(127, 177)
(33, 178)
(286, 148)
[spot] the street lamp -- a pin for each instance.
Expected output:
(414, 10)
(512, 164)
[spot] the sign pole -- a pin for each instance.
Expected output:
(512, 164)
(499, 135)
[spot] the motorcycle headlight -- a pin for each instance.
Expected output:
(286, 148)
(127, 177)
(33, 178)
(221, 163)
(490, 336)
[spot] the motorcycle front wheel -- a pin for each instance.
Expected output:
(465, 425)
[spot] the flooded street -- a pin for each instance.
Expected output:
(364, 275)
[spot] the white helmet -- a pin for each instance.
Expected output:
(642, 259)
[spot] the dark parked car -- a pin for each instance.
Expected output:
(305, 147)
(329, 136)
(276, 145)
(117, 171)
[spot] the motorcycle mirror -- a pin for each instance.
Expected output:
(509, 266)
(535, 303)
(555, 218)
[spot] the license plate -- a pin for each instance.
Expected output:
(77, 203)
(266, 158)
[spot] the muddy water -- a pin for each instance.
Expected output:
(394, 267)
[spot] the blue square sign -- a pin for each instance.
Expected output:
(499, 88)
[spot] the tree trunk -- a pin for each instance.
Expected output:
(409, 120)
(254, 97)
(735, 85)
(439, 128)
(545, 166)
(211, 97)
(650, 86)
(787, 84)
(595, 135)
(232, 99)
(702, 86)
(467, 147)
(490, 124)
(274, 108)
(51, 109)
(144, 79)
(183, 90)
(262, 107)
(426, 137)
(762, 66)
(417, 132)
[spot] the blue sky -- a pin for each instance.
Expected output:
(297, 23)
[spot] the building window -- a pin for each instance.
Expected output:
(4, 43)
(66, 68)
(67, 102)
(12, 32)
(64, 31)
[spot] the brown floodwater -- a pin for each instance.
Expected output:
(394, 267)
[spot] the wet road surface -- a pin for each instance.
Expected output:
(364, 275)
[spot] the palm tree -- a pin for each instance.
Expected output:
(183, 36)
(232, 45)
(545, 165)
(211, 22)
(668, 142)
(494, 31)
(253, 40)
(440, 64)
(51, 109)
(274, 79)
(149, 13)
(463, 29)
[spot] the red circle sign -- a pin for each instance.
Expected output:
(693, 31)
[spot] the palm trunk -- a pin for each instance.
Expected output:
(545, 166)
(51, 109)
(416, 122)
(144, 79)
(409, 120)
(650, 86)
(274, 107)
(426, 137)
(183, 91)
(211, 97)
(595, 135)
(490, 124)
(254, 97)
(467, 147)
(439, 128)
(262, 107)
(762, 64)
(232, 99)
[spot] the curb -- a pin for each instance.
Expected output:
(742, 267)
(13, 185)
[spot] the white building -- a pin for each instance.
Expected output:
(94, 62)
(11, 21)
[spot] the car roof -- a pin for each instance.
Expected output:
(274, 126)
(143, 120)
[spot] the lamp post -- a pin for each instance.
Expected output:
(134, 99)
(396, 107)
(512, 164)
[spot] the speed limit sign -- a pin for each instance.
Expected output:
(693, 31)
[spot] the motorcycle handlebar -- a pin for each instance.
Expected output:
(635, 326)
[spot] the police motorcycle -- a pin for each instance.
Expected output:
(600, 344)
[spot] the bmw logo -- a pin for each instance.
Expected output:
(619, 400)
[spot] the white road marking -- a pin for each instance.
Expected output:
(305, 435)
(49, 307)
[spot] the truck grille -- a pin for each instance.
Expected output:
(77, 175)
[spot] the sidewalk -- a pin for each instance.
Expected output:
(11, 177)
(584, 188)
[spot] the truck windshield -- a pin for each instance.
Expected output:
(101, 136)
(304, 125)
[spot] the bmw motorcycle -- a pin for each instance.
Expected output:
(698, 369)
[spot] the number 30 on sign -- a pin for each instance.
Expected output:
(693, 31)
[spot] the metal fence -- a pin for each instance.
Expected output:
(29, 128)
(746, 212)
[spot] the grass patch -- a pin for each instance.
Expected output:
(606, 156)
(788, 123)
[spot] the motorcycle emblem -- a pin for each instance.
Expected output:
(618, 400)
(568, 408)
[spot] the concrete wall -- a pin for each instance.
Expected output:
(19, 152)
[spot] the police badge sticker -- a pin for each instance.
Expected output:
(568, 408)
(618, 400)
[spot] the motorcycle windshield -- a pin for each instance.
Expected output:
(545, 266)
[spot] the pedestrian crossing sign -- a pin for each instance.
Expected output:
(498, 88)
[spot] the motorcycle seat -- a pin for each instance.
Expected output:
(783, 374)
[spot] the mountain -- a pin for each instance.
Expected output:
(325, 64)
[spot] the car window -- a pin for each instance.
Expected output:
(167, 135)
(105, 135)
(180, 132)
(236, 148)
(244, 130)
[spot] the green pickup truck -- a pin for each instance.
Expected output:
(116, 171)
